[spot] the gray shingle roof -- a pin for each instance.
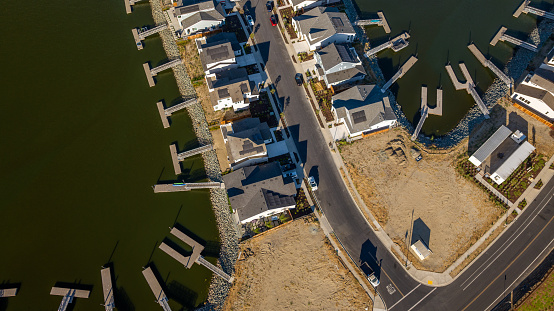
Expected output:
(537, 93)
(322, 23)
(247, 139)
(334, 54)
(544, 78)
(346, 74)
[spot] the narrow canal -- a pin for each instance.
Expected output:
(82, 144)
(440, 32)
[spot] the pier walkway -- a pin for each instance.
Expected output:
(159, 188)
(400, 73)
(8, 292)
(487, 63)
(139, 35)
(426, 111)
(152, 72)
(178, 157)
(165, 113)
(129, 4)
(526, 8)
(397, 43)
(156, 288)
(469, 86)
(201, 260)
(68, 295)
(381, 21)
(107, 288)
(502, 36)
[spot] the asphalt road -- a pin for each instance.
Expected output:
(487, 281)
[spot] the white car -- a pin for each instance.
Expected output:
(312, 182)
(250, 20)
(370, 274)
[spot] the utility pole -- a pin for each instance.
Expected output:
(410, 238)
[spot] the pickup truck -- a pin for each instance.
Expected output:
(370, 274)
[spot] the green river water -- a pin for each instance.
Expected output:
(440, 32)
(82, 144)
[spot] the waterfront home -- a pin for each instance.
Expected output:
(338, 64)
(501, 154)
(218, 52)
(246, 141)
(322, 26)
(196, 16)
(536, 92)
(297, 5)
(259, 191)
(231, 88)
(362, 110)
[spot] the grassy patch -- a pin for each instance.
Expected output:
(542, 298)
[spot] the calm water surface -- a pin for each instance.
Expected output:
(440, 32)
(82, 144)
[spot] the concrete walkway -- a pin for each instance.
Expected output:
(493, 190)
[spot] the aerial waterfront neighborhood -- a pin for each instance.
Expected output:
(323, 155)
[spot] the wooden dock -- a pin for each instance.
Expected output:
(426, 111)
(197, 248)
(136, 36)
(401, 41)
(152, 72)
(165, 113)
(176, 162)
(159, 188)
(68, 295)
(107, 289)
(526, 8)
(8, 292)
(156, 288)
(424, 115)
(201, 260)
(469, 86)
(502, 36)
(182, 259)
(149, 75)
(487, 63)
(139, 35)
(400, 73)
(176, 158)
(381, 21)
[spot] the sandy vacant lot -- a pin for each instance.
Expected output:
(449, 213)
(294, 268)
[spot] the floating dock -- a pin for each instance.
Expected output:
(381, 21)
(426, 111)
(152, 72)
(502, 36)
(8, 292)
(197, 248)
(165, 113)
(526, 8)
(107, 288)
(396, 44)
(487, 63)
(400, 73)
(156, 288)
(469, 86)
(68, 295)
(184, 260)
(178, 157)
(129, 4)
(139, 35)
(187, 186)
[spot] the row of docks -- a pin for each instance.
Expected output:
(140, 34)
(426, 111)
(380, 21)
(152, 72)
(469, 86)
(502, 36)
(526, 8)
(177, 187)
(176, 158)
(165, 113)
(400, 73)
(396, 44)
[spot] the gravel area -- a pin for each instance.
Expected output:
(219, 289)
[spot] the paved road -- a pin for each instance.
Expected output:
(476, 289)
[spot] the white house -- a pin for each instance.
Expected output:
(195, 16)
(297, 5)
(231, 88)
(338, 63)
(246, 141)
(259, 191)
(536, 92)
(218, 52)
(322, 26)
(363, 110)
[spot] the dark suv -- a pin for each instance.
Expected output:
(269, 6)
(299, 79)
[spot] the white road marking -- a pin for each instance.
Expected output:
(404, 296)
(391, 289)
(503, 293)
(434, 289)
(504, 248)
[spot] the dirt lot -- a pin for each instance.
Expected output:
(220, 150)
(293, 267)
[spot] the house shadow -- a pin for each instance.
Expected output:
(263, 48)
(421, 232)
(301, 146)
(516, 122)
(368, 255)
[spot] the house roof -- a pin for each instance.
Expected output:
(334, 54)
(226, 77)
(255, 189)
(345, 74)
(192, 6)
(222, 37)
(247, 139)
(232, 83)
(321, 23)
(297, 2)
(490, 145)
(537, 93)
(514, 160)
(212, 15)
(544, 78)
(216, 53)
(362, 107)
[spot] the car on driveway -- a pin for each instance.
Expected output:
(269, 6)
(299, 79)
(250, 20)
(273, 20)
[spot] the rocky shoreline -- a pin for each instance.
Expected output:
(228, 254)
(514, 68)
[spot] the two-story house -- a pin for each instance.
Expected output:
(536, 92)
(363, 110)
(194, 16)
(338, 63)
(322, 26)
(245, 141)
(218, 52)
(231, 88)
(297, 5)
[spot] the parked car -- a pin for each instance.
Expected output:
(370, 274)
(312, 182)
(299, 79)
(290, 174)
(269, 6)
(250, 20)
(273, 20)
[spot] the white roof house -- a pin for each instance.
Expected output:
(338, 64)
(218, 52)
(322, 26)
(308, 4)
(536, 92)
(196, 16)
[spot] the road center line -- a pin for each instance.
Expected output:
(434, 289)
(511, 263)
(504, 292)
(418, 285)
(511, 240)
(383, 270)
